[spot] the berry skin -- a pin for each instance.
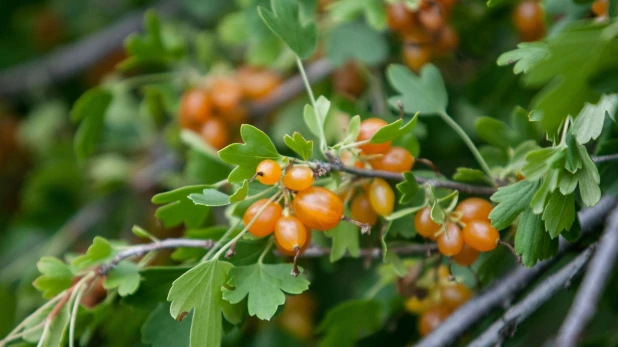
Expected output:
(431, 18)
(195, 108)
(467, 256)
(257, 83)
(481, 236)
(361, 209)
(474, 209)
(454, 295)
(348, 80)
(432, 318)
(268, 172)
(415, 305)
(266, 222)
(214, 132)
(298, 178)
(347, 158)
(399, 18)
(424, 225)
(318, 208)
(225, 93)
(290, 233)
(416, 56)
(450, 242)
(599, 8)
(528, 18)
(395, 159)
(448, 39)
(368, 128)
(381, 197)
(293, 253)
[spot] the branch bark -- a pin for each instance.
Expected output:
(376, 252)
(604, 158)
(585, 304)
(502, 292)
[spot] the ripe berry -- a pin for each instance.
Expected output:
(395, 159)
(448, 39)
(195, 108)
(381, 197)
(268, 172)
(214, 132)
(474, 209)
(302, 248)
(419, 306)
(298, 178)
(265, 223)
(290, 233)
(431, 319)
(399, 18)
(257, 83)
(431, 18)
(348, 80)
(467, 256)
(416, 56)
(361, 209)
(599, 7)
(368, 128)
(450, 242)
(481, 236)
(528, 18)
(225, 93)
(348, 159)
(318, 208)
(454, 295)
(424, 225)
(235, 116)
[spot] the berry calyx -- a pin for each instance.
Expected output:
(318, 208)
(368, 128)
(298, 178)
(268, 172)
(481, 235)
(266, 221)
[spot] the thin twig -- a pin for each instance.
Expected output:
(535, 299)
(393, 176)
(375, 252)
(604, 158)
(597, 274)
(503, 291)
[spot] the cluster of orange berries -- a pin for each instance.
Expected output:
(211, 110)
(464, 245)
(440, 301)
(529, 19)
(425, 32)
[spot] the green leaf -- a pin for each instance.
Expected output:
(588, 178)
(298, 144)
(567, 182)
(179, 208)
(263, 285)
(57, 335)
(532, 242)
(211, 197)
(90, 111)
(232, 28)
(97, 253)
(407, 188)
(496, 132)
(353, 130)
(315, 118)
(200, 289)
(350, 321)
(56, 276)
(247, 156)
(425, 94)
(526, 56)
(589, 123)
(550, 183)
(155, 286)
(394, 130)
(464, 174)
(125, 277)
(345, 240)
(285, 22)
(573, 160)
(559, 213)
(540, 161)
(511, 200)
(241, 193)
(403, 212)
(160, 330)
(349, 10)
(356, 41)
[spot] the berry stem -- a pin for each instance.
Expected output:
(295, 271)
(364, 227)
(271, 241)
(508, 245)
(303, 74)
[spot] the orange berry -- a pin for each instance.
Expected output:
(225, 93)
(399, 18)
(454, 295)
(599, 7)
(424, 225)
(448, 39)
(290, 233)
(257, 83)
(318, 208)
(298, 178)
(416, 56)
(431, 18)
(395, 159)
(348, 80)
(302, 248)
(268, 172)
(474, 209)
(265, 223)
(381, 197)
(361, 209)
(214, 132)
(368, 128)
(451, 242)
(195, 108)
(467, 256)
(432, 318)
(480, 235)
(529, 19)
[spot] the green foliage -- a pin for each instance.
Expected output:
(559, 213)
(424, 94)
(394, 130)
(125, 277)
(350, 321)
(160, 330)
(241, 193)
(589, 123)
(211, 197)
(90, 110)
(178, 208)
(539, 162)
(407, 188)
(511, 200)
(316, 118)
(525, 57)
(199, 289)
(263, 286)
(345, 240)
(497, 133)
(99, 252)
(56, 276)
(532, 241)
(348, 10)
(285, 23)
(257, 146)
(464, 174)
(298, 144)
(358, 42)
